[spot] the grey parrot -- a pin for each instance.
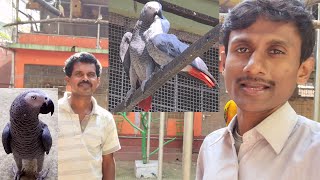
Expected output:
(134, 55)
(25, 136)
(163, 48)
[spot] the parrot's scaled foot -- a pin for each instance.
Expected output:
(42, 174)
(17, 173)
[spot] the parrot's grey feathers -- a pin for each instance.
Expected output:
(6, 139)
(46, 138)
(26, 135)
(163, 48)
(124, 52)
(135, 58)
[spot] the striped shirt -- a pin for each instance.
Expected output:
(81, 146)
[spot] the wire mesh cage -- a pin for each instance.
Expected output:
(179, 93)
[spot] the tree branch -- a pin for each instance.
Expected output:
(65, 20)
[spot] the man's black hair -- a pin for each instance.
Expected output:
(82, 57)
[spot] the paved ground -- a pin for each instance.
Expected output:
(171, 171)
(6, 161)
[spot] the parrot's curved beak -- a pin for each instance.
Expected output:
(159, 13)
(47, 107)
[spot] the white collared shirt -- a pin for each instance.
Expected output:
(80, 149)
(283, 146)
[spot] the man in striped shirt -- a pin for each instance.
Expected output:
(87, 132)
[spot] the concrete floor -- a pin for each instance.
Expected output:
(171, 170)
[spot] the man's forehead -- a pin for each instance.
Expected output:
(273, 32)
(80, 66)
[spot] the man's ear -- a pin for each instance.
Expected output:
(305, 70)
(98, 80)
(67, 79)
(223, 57)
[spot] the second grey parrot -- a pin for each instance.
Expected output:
(136, 60)
(25, 136)
(163, 48)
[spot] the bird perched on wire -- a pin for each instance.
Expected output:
(163, 48)
(25, 136)
(136, 60)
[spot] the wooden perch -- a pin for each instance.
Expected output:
(65, 20)
(174, 67)
(186, 13)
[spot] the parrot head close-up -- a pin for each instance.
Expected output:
(33, 101)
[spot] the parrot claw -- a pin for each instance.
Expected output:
(162, 67)
(42, 174)
(143, 85)
(17, 173)
(128, 97)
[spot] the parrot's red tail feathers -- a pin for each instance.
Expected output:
(201, 76)
(145, 104)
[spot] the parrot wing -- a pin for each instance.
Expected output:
(124, 51)
(162, 47)
(46, 138)
(6, 139)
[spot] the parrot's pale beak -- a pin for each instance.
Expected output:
(47, 107)
(159, 13)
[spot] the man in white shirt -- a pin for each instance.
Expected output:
(87, 132)
(268, 51)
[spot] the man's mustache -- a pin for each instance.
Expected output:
(84, 82)
(254, 79)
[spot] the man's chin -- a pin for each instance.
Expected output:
(84, 93)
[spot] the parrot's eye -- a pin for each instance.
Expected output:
(33, 97)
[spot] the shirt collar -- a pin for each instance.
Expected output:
(66, 106)
(277, 127)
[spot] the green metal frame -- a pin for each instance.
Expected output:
(144, 122)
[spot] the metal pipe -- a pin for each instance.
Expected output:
(161, 135)
(98, 33)
(49, 7)
(143, 147)
(167, 142)
(187, 145)
(17, 20)
(148, 136)
(124, 115)
(316, 114)
(16, 34)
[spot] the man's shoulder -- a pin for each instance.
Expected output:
(309, 124)
(104, 113)
(214, 137)
(63, 105)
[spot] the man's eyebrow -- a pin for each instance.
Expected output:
(280, 42)
(245, 40)
(240, 40)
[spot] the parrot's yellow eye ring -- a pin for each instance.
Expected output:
(33, 97)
